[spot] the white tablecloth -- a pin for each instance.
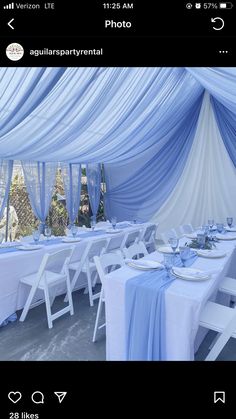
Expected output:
(18, 264)
(183, 303)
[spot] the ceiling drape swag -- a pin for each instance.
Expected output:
(139, 122)
(5, 183)
(93, 172)
(71, 174)
(39, 180)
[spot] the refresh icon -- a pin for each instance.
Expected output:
(220, 23)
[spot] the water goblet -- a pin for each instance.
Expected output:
(229, 221)
(168, 262)
(184, 253)
(74, 230)
(220, 227)
(173, 242)
(48, 232)
(113, 222)
(92, 222)
(36, 236)
(201, 239)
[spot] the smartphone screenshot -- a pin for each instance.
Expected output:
(117, 207)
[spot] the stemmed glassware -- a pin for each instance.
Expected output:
(74, 230)
(1, 237)
(113, 222)
(47, 232)
(36, 236)
(173, 242)
(93, 222)
(184, 254)
(229, 221)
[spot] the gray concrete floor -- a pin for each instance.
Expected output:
(70, 339)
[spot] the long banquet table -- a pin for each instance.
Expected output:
(183, 303)
(17, 264)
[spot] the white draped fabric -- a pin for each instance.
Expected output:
(206, 188)
(5, 181)
(71, 174)
(40, 180)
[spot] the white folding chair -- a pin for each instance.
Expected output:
(148, 237)
(115, 243)
(186, 229)
(135, 251)
(105, 264)
(53, 271)
(85, 264)
(131, 237)
(168, 234)
(222, 320)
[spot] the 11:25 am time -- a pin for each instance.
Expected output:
(115, 6)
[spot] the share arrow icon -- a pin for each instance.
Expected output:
(61, 395)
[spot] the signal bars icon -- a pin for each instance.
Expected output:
(9, 6)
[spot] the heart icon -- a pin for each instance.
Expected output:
(14, 396)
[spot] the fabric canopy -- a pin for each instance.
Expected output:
(146, 125)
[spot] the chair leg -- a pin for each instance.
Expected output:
(28, 304)
(69, 295)
(90, 290)
(98, 316)
(48, 307)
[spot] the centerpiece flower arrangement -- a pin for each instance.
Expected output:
(208, 245)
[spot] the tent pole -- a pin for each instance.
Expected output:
(7, 217)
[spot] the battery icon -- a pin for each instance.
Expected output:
(227, 5)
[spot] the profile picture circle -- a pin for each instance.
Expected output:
(14, 51)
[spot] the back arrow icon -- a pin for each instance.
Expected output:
(214, 19)
(9, 23)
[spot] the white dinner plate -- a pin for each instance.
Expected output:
(190, 274)
(71, 239)
(113, 231)
(210, 253)
(166, 249)
(226, 236)
(144, 265)
(30, 247)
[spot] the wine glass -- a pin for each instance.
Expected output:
(173, 242)
(220, 227)
(36, 236)
(229, 221)
(92, 223)
(168, 262)
(184, 254)
(113, 222)
(74, 230)
(48, 232)
(211, 223)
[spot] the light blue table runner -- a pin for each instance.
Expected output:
(145, 313)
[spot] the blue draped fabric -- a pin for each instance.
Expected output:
(93, 172)
(145, 313)
(219, 81)
(226, 121)
(5, 183)
(71, 174)
(97, 115)
(143, 193)
(139, 122)
(39, 179)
